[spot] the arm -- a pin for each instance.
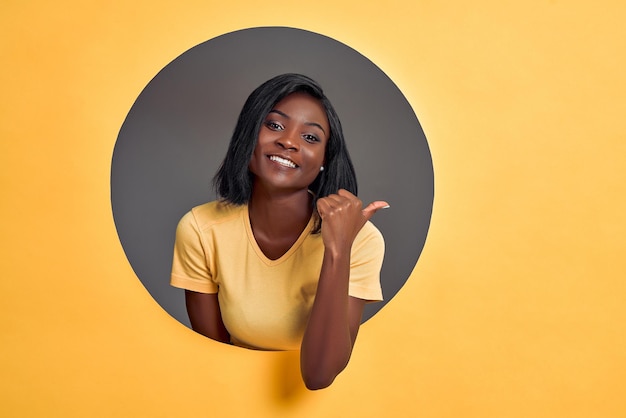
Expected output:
(190, 271)
(204, 313)
(335, 316)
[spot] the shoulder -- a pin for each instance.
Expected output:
(366, 259)
(209, 214)
(369, 236)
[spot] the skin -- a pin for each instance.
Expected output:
(296, 131)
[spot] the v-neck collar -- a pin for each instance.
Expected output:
(290, 251)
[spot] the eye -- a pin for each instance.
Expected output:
(310, 138)
(274, 126)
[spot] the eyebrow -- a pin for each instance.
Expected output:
(283, 114)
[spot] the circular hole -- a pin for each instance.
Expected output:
(177, 132)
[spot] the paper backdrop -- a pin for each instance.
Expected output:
(515, 308)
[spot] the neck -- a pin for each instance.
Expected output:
(279, 215)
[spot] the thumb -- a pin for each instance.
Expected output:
(374, 207)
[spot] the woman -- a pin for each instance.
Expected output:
(286, 259)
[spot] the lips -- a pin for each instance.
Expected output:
(285, 162)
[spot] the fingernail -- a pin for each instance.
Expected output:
(386, 207)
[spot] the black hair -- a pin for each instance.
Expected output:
(233, 181)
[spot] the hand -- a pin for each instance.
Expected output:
(343, 217)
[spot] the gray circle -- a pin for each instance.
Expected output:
(177, 132)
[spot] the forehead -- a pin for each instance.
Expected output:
(301, 105)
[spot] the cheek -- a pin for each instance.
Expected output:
(258, 146)
(255, 160)
(320, 152)
(315, 157)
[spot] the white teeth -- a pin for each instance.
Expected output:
(283, 161)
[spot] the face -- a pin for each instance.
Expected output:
(291, 144)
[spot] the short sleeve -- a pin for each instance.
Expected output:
(190, 265)
(366, 260)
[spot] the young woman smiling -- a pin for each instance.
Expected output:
(287, 258)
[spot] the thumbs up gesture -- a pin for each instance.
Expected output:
(343, 216)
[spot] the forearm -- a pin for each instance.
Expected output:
(335, 316)
(327, 342)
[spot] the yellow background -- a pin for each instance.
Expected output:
(516, 307)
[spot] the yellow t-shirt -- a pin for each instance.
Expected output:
(265, 303)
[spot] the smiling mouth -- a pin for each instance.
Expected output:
(283, 161)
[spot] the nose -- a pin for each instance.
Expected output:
(288, 141)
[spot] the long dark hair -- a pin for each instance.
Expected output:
(233, 181)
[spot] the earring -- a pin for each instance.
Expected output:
(322, 168)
